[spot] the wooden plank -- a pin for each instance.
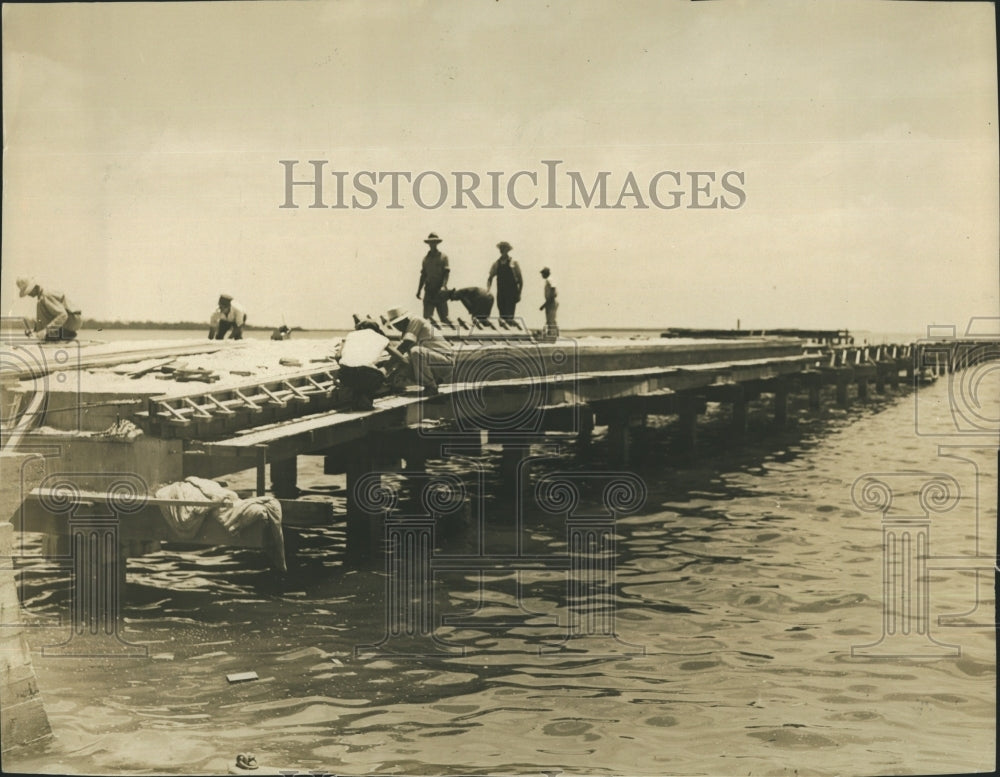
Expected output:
(330, 370)
(135, 374)
(293, 510)
(93, 497)
(148, 524)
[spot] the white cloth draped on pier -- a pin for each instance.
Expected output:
(226, 506)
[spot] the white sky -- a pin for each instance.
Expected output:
(142, 148)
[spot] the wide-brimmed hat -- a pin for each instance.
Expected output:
(432, 238)
(545, 271)
(25, 286)
(504, 244)
(396, 315)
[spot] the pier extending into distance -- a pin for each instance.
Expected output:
(510, 391)
(69, 472)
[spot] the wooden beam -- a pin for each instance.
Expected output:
(148, 524)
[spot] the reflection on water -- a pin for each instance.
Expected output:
(739, 590)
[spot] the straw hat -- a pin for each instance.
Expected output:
(397, 315)
(432, 239)
(25, 286)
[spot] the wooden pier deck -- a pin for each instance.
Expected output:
(90, 489)
(243, 420)
(503, 391)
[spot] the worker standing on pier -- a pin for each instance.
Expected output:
(434, 273)
(550, 306)
(476, 299)
(229, 317)
(509, 281)
(56, 318)
(424, 346)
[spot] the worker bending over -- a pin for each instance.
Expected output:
(56, 318)
(477, 301)
(229, 317)
(425, 347)
(361, 360)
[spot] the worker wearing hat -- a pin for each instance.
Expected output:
(228, 318)
(433, 284)
(509, 282)
(429, 353)
(551, 305)
(56, 318)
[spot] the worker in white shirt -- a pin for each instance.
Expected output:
(550, 305)
(228, 318)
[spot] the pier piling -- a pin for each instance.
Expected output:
(689, 407)
(364, 466)
(843, 399)
(736, 395)
(284, 478)
(624, 427)
(814, 387)
(862, 388)
(781, 390)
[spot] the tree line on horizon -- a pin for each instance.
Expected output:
(97, 323)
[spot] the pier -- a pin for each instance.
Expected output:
(503, 388)
(507, 390)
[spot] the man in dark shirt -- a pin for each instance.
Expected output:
(509, 281)
(434, 280)
(477, 301)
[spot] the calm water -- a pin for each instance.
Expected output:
(746, 579)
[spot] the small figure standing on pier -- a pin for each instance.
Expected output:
(56, 318)
(434, 280)
(476, 299)
(509, 281)
(229, 317)
(551, 305)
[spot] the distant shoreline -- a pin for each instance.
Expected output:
(92, 323)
